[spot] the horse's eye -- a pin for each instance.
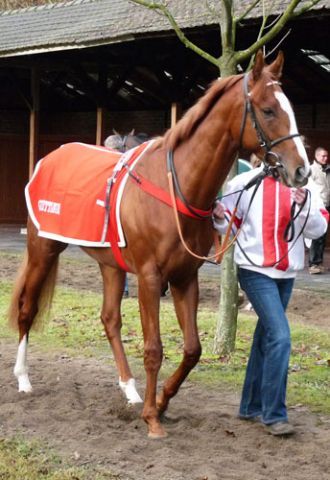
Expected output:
(268, 112)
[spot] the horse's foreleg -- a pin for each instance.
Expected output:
(113, 288)
(185, 299)
(149, 295)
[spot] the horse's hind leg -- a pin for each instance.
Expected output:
(185, 299)
(37, 281)
(113, 285)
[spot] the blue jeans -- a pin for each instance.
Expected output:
(264, 389)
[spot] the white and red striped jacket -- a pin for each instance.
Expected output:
(263, 225)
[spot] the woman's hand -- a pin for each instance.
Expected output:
(298, 195)
(219, 211)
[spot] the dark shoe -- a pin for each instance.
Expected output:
(280, 428)
(256, 419)
(315, 269)
(164, 292)
(126, 293)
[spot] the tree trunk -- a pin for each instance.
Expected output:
(225, 330)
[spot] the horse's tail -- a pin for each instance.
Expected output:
(45, 296)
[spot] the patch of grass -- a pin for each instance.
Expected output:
(75, 327)
(21, 460)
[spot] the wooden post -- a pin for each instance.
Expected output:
(176, 112)
(101, 102)
(100, 125)
(34, 120)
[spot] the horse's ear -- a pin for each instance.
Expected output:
(258, 65)
(132, 132)
(277, 66)
(115, 132)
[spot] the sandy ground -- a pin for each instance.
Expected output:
(77, 408)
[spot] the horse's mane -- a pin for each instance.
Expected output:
(196, 114)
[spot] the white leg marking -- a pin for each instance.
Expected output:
(21, 369)
(130, 391)
(285, 104)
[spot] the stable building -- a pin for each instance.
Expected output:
(76, 70)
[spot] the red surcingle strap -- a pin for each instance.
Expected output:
(151, 189)
(113, 226)
(165, 197)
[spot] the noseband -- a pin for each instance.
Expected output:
(264, 142)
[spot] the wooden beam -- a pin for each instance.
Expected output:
(34, 120)
(101, 101)
(176, 113)
(100, 121)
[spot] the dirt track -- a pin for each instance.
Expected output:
(77, 408)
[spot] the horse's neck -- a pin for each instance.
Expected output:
(203, 162)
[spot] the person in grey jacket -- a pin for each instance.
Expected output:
(320, 169)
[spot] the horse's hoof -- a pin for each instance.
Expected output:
(156, 430)
(24, 384)
(25, 390)
(157, 435)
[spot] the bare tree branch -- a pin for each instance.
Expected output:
(287, 15)
(260, 33)
(279, 43)
(274, 21)
(162, 8)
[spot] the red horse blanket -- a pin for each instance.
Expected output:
(67, 193)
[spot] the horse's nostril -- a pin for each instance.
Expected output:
(301, 174)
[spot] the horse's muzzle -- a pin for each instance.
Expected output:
(301, 176)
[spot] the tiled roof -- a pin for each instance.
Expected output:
(82, 23)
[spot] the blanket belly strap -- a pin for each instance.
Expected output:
(165, 197)
(113, 230)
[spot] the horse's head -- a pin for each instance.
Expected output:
(122, 143)
(269, 127)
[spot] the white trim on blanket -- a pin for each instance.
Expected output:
(122, 241)
(72, 241)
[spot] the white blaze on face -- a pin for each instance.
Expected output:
(285, 105)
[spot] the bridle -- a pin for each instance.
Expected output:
(264, 141)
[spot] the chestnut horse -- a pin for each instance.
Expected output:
(248, 111)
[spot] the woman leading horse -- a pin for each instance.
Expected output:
(249, 111)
